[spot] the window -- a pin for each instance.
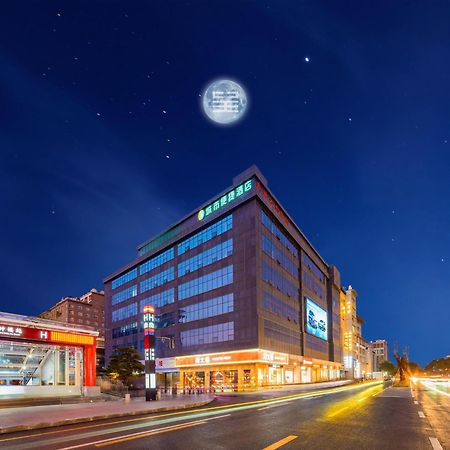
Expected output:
(205, 235)
(313, 285)
(131, 275)
(208, 308)
(156, 261)
(274, 278)
(158, 300)
(208, 335)
(275, 331)
(125, 330)
(208, 282)
(209, 256)
(278, 233)
(125, 312)
(275, 253)
(157, 280)
(277, 306)
(313, 268)
(124, 295)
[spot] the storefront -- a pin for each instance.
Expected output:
(250, 369)
(42, 358)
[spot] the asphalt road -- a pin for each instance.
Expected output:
(353, 417)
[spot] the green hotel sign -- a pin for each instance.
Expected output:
(229, 197)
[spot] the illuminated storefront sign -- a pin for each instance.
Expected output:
(39, 334)
(244, 356)
(229, 197)
(149, 352)
(273, 204)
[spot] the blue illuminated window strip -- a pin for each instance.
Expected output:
(158, 300)
(208, 282)
(131, 275)
(270, 225)
(209, 308)
(156, 261)
(276, 279)
(205, 235)
(221, 332)
(158, 280)
(124, 312)
(125, 330)
(312, 266)
(121, 296)
(275, 253)
(209, 256)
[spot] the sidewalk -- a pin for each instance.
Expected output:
(34, 417)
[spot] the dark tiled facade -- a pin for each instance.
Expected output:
(235, 277)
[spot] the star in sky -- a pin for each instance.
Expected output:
(307, 59)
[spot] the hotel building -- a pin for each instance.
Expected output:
(243, 298)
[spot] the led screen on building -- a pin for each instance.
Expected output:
(316, 320)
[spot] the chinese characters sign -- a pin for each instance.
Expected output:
(273, 204)
(227, 198)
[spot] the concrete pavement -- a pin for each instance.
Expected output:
(37, 417)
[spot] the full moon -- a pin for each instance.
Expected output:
(224, 102)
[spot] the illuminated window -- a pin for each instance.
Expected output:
(124, 295)
(156, 261)
(125, 330)
(208, 282)
(274, 278)
(221, 332)
(209, 308)
(272, 250)
(205, 235)
(158, 280)
(209, 256)
(125, 312)
(131, 275)
(278, 233)
(158, 300)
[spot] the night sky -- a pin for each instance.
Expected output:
(103, 142)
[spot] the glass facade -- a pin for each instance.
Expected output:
(209, 256)
(131, 275)
(209, 308)
(156, 261)
(24, 364)
(208, 282)
(159, 240)
(279, 307)
(158, 280)
(205, 235)
(309, 263)
(278, 233)
(313, 285)
(124, 295)
(275, 253)
(158, 300)
(208, 335)
(274, 278)
(125, 330)
(275, 331)
(124, 312)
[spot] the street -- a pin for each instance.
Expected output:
(362, 416)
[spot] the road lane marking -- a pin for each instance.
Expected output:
(303, 395)
(272, 406)
(281, 442)
(416, 402)
(435, 443)
(421, 414)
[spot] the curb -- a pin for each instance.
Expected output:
(101, 417)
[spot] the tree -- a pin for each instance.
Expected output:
(124, 364)
(387, 366)
(439, 366)
(402, 367)
(414, 368)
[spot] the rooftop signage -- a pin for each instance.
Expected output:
(227, 198)
(273, 204)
